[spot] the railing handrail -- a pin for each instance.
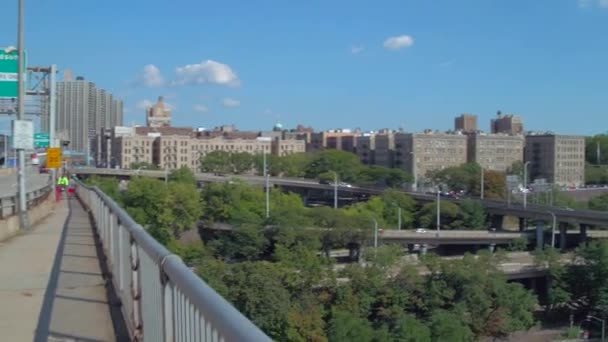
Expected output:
(231, 324)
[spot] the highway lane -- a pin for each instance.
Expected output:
(34, 181)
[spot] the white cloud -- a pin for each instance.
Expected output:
(206, 72)
(144, 104)
(398, 42)
(589, 3)
(355, 50)
(151, 76)
(201, 108)
(228, 102)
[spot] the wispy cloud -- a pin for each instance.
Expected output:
(357, 49)
(151, 76)
(201, 108)
(398, 42)
(229, 102)
(446, 64)
(593, 3)
(145, 104)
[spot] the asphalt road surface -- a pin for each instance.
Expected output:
(33, 181)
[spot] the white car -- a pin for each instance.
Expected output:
(420, 230)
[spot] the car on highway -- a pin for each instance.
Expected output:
(35, 160)
(43, 169)
(420, 230)
(346, 185)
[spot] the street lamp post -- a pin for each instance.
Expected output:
(526, 184)
(553, 229)
(375, 236)
(335, 189)
(438, 211)
(482, 181)
(398, 218)
(589, 317)
(267, 179)
(414, 173)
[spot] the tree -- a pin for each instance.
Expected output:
(447, 327)
(295, 164)
(395, 200)
(274, 164)
(346, 326)
(183, 175)
(596, 174)
(109, 186)
(241, 162)
(599, 203)
(384, 176)
(409, 329)
(472, 214)
(217, 162)
(185, 207)
(346, 164)
(148, 202)
(591, 144)
(246, 242)
(449, 214)
(305, 323)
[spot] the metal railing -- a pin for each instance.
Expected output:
(9, 204)
(162, 299)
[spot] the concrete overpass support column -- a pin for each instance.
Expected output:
(583, 237)
(492, 247)
(563, 235)
(540, 234)
(522, 224)
(497, 221)
(533, 285)
(423, 249)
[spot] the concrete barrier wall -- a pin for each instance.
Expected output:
(6, 172)
(9, 227)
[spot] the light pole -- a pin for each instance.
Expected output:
(335, 189)
(398, 218)
(21, 116)
(438, 210)
(553, 229)
(267, 196)
(589, 317)
(482, 185)
(414, 173)
(375, 236)
(526, 184)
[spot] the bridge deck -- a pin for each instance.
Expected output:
(52, 284)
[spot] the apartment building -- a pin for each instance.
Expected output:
(419, 154)
(82, 111)
(342, 139)
(559, 159)
(384, 149)
(465, 123)
(507, 124)
(366, 148)
(130, 149)
(495, 152)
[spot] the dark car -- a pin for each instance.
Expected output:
(43, 169)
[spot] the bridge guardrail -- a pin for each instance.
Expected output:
(10, 204)
(162, 299)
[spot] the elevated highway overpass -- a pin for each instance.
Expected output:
(497, 208)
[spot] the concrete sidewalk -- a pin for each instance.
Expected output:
(51, 283)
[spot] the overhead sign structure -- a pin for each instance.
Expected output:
(53, 158)
(41, 140)
(9, 90)
(23, 134)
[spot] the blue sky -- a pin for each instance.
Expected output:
(334, 64)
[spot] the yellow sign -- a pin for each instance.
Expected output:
(53, 158)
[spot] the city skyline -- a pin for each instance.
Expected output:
(412, 65)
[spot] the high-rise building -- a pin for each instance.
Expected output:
(507, 124)
(158, 115)
(559, 159)
(465, 123)
(366, 148)
(495, 152)
(83, 110)
(384, 149)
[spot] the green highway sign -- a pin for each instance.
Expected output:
(41, 140)
(8, 73)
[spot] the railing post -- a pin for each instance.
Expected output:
(136, 291)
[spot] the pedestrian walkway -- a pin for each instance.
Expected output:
(52, 286)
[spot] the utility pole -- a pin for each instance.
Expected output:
(335, 190)
(526, 184)
(52, 116)
(267, 196)
(482, 181)
(398, 218)
(598, 154)
(438, 211)
(21, 116)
